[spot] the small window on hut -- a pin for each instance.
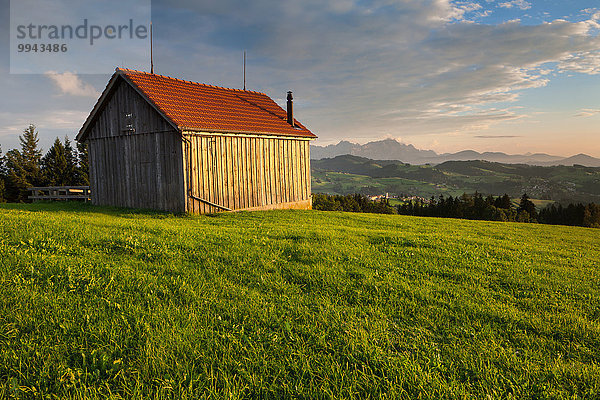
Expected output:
(128, 123)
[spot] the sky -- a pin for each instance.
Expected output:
(489, 75)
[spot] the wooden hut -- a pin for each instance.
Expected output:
(168, 144)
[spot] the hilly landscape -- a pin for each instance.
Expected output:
(391, 149)
(352, 174)
(105, 303)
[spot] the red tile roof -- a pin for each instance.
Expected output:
(199, 107)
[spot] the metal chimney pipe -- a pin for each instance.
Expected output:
(290, 109)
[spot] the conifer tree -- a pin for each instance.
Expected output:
(71, 158)
(591, 216)
(2, 166)
(55, 168)
(31, 154)
(16, 177)
(23, 167)
(83, 165)
(503, 202)
(527, 206)
(2, 178)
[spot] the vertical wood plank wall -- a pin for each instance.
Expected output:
(242, 172)
(139, 169)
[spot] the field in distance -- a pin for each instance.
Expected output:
(109, 303)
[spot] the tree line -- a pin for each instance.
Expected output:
(468, 206)
(20, 169)
(573, 214)
(351, 203)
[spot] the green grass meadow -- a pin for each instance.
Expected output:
(102, 303)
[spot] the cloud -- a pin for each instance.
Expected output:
(522, 4)
(67, 120)
(387, 66)
(587, 62)
(49, 124)
(70, 83)
(449, 11)
(588, 112)
(497, 136)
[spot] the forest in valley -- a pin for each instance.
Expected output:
(474, 207)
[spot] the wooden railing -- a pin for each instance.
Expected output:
(60, 193)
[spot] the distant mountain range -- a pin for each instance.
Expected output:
(391, 149)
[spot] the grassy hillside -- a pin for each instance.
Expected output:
(345, 183)
(351, 174)
(103, 303)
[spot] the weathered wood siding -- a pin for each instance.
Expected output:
(246, 172)
(141, 168)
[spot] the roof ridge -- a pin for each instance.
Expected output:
(125, 70)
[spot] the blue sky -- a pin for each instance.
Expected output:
(490, 75)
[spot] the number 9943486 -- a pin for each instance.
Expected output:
(41, 48)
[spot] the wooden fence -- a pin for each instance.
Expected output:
(60, 193)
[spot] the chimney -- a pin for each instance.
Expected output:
(290, 109)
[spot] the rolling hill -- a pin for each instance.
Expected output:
(108, 303)
(352, 174)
